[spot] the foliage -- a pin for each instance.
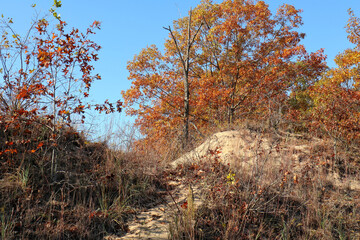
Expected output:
(225, 64)
(336, 97)
(46, 74)
(50, 177)
(40, 80)
(244, 63)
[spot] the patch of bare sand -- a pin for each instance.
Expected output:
(242, 148)
(154, 222)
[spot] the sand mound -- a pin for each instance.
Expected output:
(243, 148)
(256, 153)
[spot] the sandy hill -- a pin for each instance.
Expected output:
(252, 152)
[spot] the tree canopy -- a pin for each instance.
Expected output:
(245, 63)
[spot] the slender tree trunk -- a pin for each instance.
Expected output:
(186, 109)
(231, 111)
(186, 85)
(185, 60)
(53, 157)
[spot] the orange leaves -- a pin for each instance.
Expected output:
(96, 24)
(38, 147)
(10, 151)
(42, 25)
(23, 94)
(244, 63)
(336, 97)
(291, 15)
(46, 83)
(336, 106)
(26, 92)
(353, 28)
(63, 112)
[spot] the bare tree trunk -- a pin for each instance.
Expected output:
(231, 111)
(53, 157)
(186, 86)
(186, 109)
(185, 60)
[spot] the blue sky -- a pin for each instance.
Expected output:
(130, 25)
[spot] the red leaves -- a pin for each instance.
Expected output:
(184, 205)
(96, 24)
(108, 107)
(41, 26)
(23, 94)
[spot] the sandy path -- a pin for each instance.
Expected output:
(154, 222)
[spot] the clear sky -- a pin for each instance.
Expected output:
(130, 25)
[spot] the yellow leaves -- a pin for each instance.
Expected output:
(348, 58)
(337, 99)
(64, 112)
(353, 28)
(231, 178)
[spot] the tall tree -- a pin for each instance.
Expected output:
(243, 63)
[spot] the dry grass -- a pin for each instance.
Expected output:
(93, 193)
(318, 199)
(96, 190)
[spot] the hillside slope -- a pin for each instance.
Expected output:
(252, 185)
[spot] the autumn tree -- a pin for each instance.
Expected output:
(46, 75)
(244, 63)
(252, 59)
(336, 97)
